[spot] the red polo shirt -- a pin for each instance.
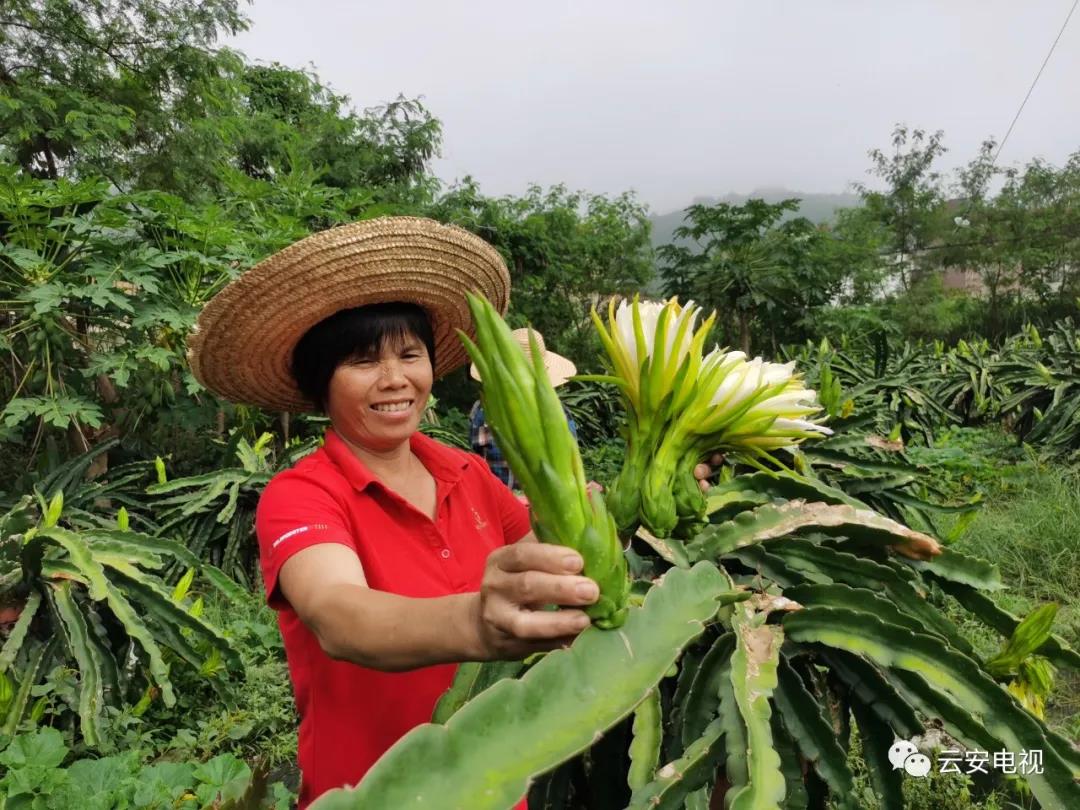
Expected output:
(350, 715)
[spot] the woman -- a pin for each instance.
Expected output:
(388, 556)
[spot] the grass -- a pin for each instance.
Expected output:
(1029, 526)
(1031, 531)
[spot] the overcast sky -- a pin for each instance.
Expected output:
(680, 99)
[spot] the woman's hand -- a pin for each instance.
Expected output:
(519, 581)
(704, 470)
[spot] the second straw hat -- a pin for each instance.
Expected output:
(559, 369)
(242, 344)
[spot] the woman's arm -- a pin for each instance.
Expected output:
(326, 586)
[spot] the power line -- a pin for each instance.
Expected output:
(1036, 81)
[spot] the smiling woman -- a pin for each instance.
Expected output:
(370, 369)
(389, 557)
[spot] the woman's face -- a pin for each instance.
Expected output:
(376, 402)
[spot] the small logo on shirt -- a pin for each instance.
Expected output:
(295, 532)
(481, 524)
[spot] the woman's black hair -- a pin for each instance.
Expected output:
(353, 333)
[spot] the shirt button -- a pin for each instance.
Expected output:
(445, 553)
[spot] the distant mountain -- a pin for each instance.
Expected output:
(815, 207)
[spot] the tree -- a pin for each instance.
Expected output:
(744, 263)
(912, 206)
(565, 250)
(133, 91)
(86, 81)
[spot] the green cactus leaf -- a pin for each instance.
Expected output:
(80, 554)
(795, 794)
(954, 673)
(86, 653)
(772, 522)
(137, 629)
(17, 636)
(676, 780)
(936, 704)
(139, 547)
(29, 676)
(806, 721)
(1055, 648)
(877, 738)
(753, 680)
(223, 583)
(218, 478)
(472, 678)
(1028, 636)
(648, 731)
(761, 486)
(518, 729)
(773, 567)
(894, 581)
(870, 686)
(168, 615)
(864, 599)
(702, 700)
(963, 568)
(669, 549)
(689, 664)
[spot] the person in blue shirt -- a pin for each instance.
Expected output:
(559, 370)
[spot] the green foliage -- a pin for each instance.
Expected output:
(215, 511)
(564, 251)
(90, 598)
(744, 263)
(555, 709)
(35, 777)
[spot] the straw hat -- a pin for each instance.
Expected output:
(558, 368)
(242, 344)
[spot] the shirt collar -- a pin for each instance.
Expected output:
(441, 461)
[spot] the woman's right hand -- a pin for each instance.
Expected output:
(519, 580)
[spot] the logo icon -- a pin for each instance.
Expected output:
(481, 524)
(904, 754)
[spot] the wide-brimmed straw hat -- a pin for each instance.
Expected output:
(559, 369)
(242, 345)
